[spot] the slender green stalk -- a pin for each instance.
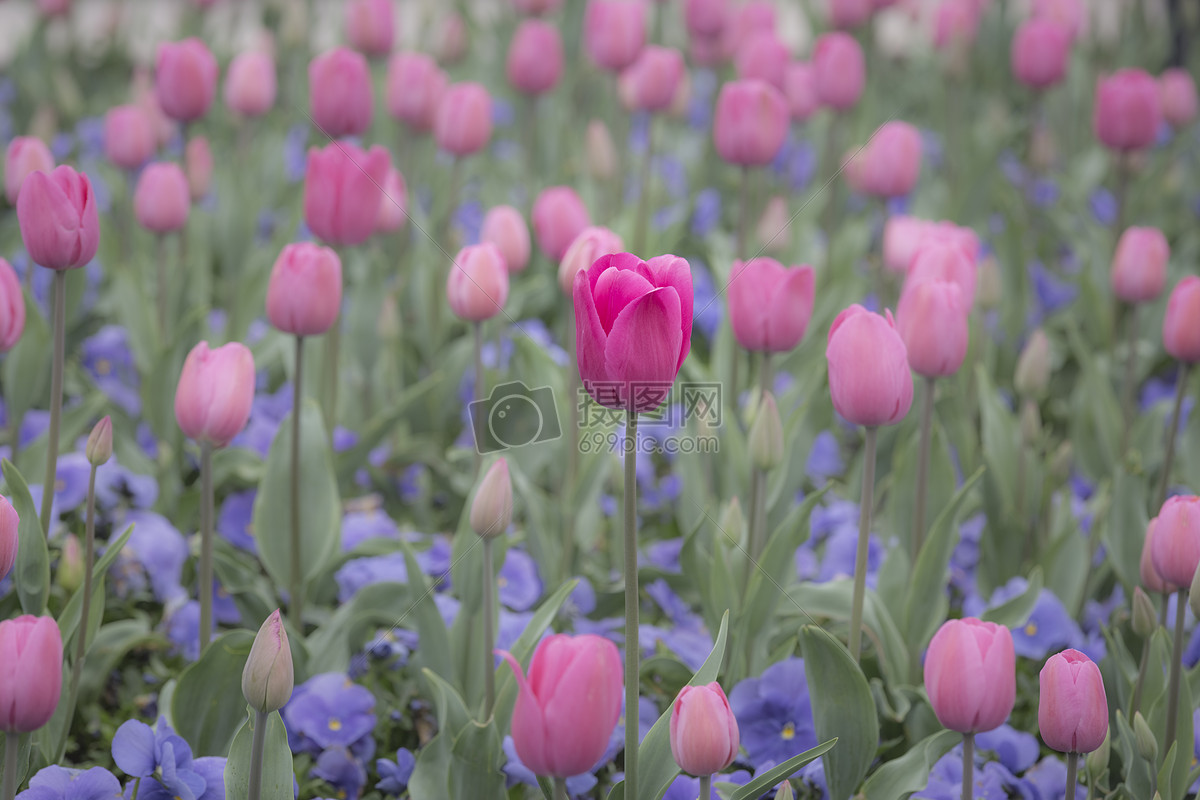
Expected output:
(758, 481)
(560, 789)
(572, 442)
(296, 584)
(479, 383)
(918, 532)
(489, 633)
(206, 545)
(740, 252)
(333, 349)
(531, 137)
(632, 641)
(161, 267)
(12, 749)
(639, 230)
(86, 609)
(56, 384)
(1130, 381)
(1136, 705)
(1172, 433)
(968, 792)
(1072, 774)
(1122, 189)
(864, 531)
(1176, 667)
(256, 754)
(14, 436)
(706, 787)
(830, 214)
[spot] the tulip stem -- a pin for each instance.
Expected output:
(758, 480)
(572, 442)
(560, 789)
(11, 752)
(1130, 381)
(296, 585)
(1072, 774)
(632, 641)
(86, 608)
(968, 783)
(256, 754)
(918, 531)
(864, 531)
(639, 231)
(489, 634)
(1141, 679)
(14, 436)
(1172, 433)
(333, 346)
(1176, 661)
(56, 382)
(1119, 193)
(479, 385)
(206, 545)
(705, 787)
(162, 285)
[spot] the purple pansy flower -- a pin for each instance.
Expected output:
(774, 714)
(58, 783)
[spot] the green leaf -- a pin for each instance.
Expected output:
(1015, 612)
(320, 504)
(843, 708)
(208, 705)
(771, 777)
(27, 365)
(1126, 528)
(434, 652)
(776, 568)
(832, 600)
(910, 772)
(277, 771)
(382, 425)
(68, 620)
(31, 573)
(475, 763)
(431, 774)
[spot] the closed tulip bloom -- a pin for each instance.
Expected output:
(504, 227)
(535, 57)
(1176, 547)
(800, 88)
(478, 284)
(652, 82)
(25, 155)
(414, 89)
(1139, 267)
(99, 443)
(962, 237)
(704, 732)
(31, 661)
(869, 378)
(706, 19)
(1178, 91)
(1181, 322)
(492, 508)
(342, 193)
(1127, 110)
(370, 26)
(568, 706)
(601, 152)
(956, 23)
(12, 307)
(558, 217)
(57, 215)
(129, 136)
(763, 56)
(845, 14)
(9, 537)
(339, 93)
(1146, 571)
(589, 245)
(1069, 13)
(614, 32)
(750, 123)
(902, 238)
(1032, 374)
(215, 392)
(1041, 50)
(250, 84)
(890, 163)
(464, 119)
(770, 305)
(161, 201)
(942, 261)
(971, 675)
(633, 328)
(1072, 706)
(536, 7)
(932, 320)
(774, 226)
(185, 79)
(199, 162)
(304, 295)
(393, 203)
(267, 678)
(839, 70)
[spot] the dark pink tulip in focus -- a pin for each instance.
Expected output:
(800, 87)
(129, 136)
(1176, 546)
(1139, 267)
(770, 305)
(535, 57)
(31, 663)
(25, 155)
(504, 227)
(558, 216)
(464, 119)
(1127, 110)
(250, 84)
(971, 675)
(750, 123)
(9, 535)
(839, 70)
(304, 294)
(57, 215)
(414, 89)
(342, 192)
(869, 378)
(1181, 322)
(185, 79)
(339, 93)
(1178, 97)
(478, 284)
(763, 56)
(215, 392)
(614, 32)
(1041, 50)
(1072, 706)
(932, 320)
(704, 732)
(651, 82)
(370, 26)
(12, 312)
(161, 200)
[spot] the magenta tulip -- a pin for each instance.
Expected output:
(535, 57)
(568, 707)
(57, 215)
(185, 79)
(464, 119)
(478, 284)
(504, 227)
(1178, 91)
(1176, 547)
(342, 192)
(558, 217)
(839, 70)
(393, 203)
(704, 732)
(932, 320)
(750, 123)
(970, 675)
(161, 200)
(9, 536)
(800, 88)
(339, 93)
(1139, 267)
(1072, 706)
(1181, 322)
(370, 26)
(129, 137)
(31, 662)
(1041, 50)
(614, 32)
(763, 56)
(633, 328)
(869, 378)
(12, 307)
(304, 294)
(215, 392)
(769, 305)
(250, 84)
(24, 156)
(651, 82)
(414, 89)
(589, 245)
(1127, 110)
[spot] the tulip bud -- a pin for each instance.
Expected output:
(733, 523)
(1033, 366)
(1061, 460)
(1096, 763)
(185, 79)
(785, 792)
(393, 203)
(614, 32)
(464, 119)
(1178, 97)
(161, 200)
(839, 70)
(1147, 745)
(1151, 580)
(57, 215)
(869, 377)
(451, 39)
(799, 84)
(370, 27)
(1181, 322)
(766, 435)
(414, 88)
(1175, 549)
(25, 155)
(215, 392)
(763, 56)
(304, 294)
(342, 193)
(652, 81)
(558, 216)
(1139, 266)
(1031, 422)
(535, 57)
(70, 564)
(1127, 110)
(1072, 706)
(492, 508)
(100, 442)
(970, 675)
(750, 122)
(9, 536)
(1145, 620)
(504, 227)
(989, 290)
(589, 245)
(478, 283)
(129, 136)
(932, 320)
(704, 732)
(339, 93)
(1041, 51)
(601, 152)
(250, 84)
(267, 678)
(31, 651)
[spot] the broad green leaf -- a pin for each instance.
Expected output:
(811, 601)
(910, 772)
(27, 365)
(776, 568)
(111, 643)
(434, 652)
(1016, 611)
(208, 705)
(773, 776)
(431, 774)
(475, 763)
(1126, 528)
(277, 771)
(31, 572)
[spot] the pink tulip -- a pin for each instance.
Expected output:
(558, 216)
(161, 201)
(129, 136)
(839, 70)
(704, 732)
(589, 245)
(956, 23)
(890, 163)
(199, 162)
(1068, 13)
(633, 328)
(1127, 110)
(1176, 547)
(1178, 92)
(25, 155)
(342, 192)
(478, 284)
(765, 57)
(536, 7)
(970, 675)
(370, 26)
(215, 392)
(464, 119)
(845, 14)
(31, 662)
(750, 123)
(54, 8)
(185, 79)
(1139, 267)
(960, 236)
(451, 39)
(706, 19)
(568, 707)
(753, 17)
(146, 99)
(393, 203)
(339, 93)
(1151, 580)
(535, 57)
(800, 87)
(9, 536)
(57, 215)
(932, 320)
(1072, 706)
(769, 305)
(869, 378)
(614, 32)
(1181, 322)
(250, 84)
(941, 260)
(651, 82)
(1041, 51)
(414, 89)
(12, 309)
(304, 294)
(492, 508)
(504, 227)
(902, 238)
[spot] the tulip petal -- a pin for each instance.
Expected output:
(527, 725)
(673, 271)
(615, 289)
(590, 336)
(643, 347)
(790, 309)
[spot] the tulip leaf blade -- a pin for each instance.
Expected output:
(277, 770)
(771, 777)
(68, 619)
(27, 365)
(31, 572)
(477, 755)
(208, 705)
(910, 772)
(431, 773)
(1015, 612)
